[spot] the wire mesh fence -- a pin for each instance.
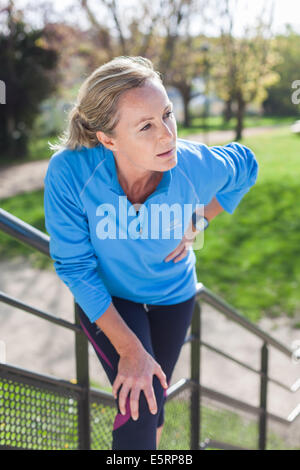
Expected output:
(102, 418)
(42, 417)
(34, 417)
(177, 426)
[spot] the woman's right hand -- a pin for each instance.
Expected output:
(135, 373)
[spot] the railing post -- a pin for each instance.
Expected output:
(195, 411)
(82, 374)
(263, 398)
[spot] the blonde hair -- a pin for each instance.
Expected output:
(96, 108)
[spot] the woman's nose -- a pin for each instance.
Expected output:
(166, 131)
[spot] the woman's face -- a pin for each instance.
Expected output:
(147, 127)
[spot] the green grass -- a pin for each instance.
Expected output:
(251, 258)
(30, 208)
(216, 424)
(38, 149)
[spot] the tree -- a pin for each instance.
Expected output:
(244, 66)
(133, 30)
(279, 100)
(28, 69)
(188, 62)
(159, 30)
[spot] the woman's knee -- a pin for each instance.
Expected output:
(143, 405)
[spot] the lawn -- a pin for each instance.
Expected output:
(249, 258)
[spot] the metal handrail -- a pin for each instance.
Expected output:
(215, 301)
(24, 232)
(293, 388)
(39, 313)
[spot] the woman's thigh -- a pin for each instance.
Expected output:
(169, 325)
(136, 319)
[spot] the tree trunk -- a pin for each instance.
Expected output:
(186, 100)
(227, 112)
(185, 91)
(186, 96)
(241, 105)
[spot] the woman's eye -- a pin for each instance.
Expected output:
(168, 114)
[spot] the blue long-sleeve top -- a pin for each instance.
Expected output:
(102, 247)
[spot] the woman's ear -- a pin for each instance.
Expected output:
(107, 141)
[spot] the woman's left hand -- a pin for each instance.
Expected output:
(184, 246)
(211, 210)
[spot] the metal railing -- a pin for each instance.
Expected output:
(267, 340)
(87, 401)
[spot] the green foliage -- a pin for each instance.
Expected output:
(279, 100)
(30, 208)
(250, 258)
(27, 68)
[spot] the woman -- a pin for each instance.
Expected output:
(119, 166)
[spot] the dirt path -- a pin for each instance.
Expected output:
(17, 179)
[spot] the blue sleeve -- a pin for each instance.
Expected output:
(74, 258)
(233, 170)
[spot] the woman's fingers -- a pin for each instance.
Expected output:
(151, 399)
(138, 376)
(187, 248)
(120, 380)
(184, 252)
(181, 255)
(123, 397)
(177, 251)
(161, 375)
(134, 402)
(181, 249)
(116, 385)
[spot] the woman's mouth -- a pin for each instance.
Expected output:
(166, 154)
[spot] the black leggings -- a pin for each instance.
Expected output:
(162, 330)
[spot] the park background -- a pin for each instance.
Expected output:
(229, 68)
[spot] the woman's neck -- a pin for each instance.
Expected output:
(138, 186)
